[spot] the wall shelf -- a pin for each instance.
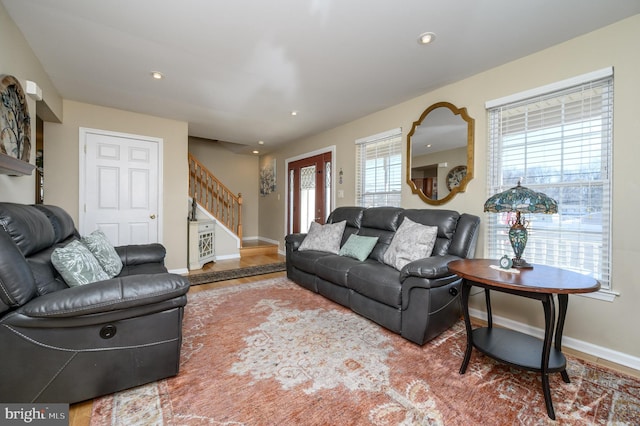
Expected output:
(14, 167)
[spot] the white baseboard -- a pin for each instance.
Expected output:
(569, 342)
(181, 271)
(228, 256)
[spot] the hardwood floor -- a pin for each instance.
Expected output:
(80, 413)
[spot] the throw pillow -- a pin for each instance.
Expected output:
(100, 246)
(77, 265)
(324, 237)
(358, 246)
(412, 241)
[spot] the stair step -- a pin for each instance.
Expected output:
(257, 248)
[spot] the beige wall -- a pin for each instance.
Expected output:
(17, 59)
(61, 164)
(611, 325)
(61, 144)
(238, 172)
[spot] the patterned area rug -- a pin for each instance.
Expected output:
(272, 353)
(249, 271)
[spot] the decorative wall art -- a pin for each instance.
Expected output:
(15, 128)
(268, 177)
(14, 120)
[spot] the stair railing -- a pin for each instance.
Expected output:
(214, 197)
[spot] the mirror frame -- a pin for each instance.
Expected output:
(462, 112)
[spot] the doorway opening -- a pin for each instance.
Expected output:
(309, 195)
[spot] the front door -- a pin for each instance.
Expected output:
(121, 194)
(309, 191)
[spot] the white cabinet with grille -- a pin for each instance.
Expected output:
(201, 243)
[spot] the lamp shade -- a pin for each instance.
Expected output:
(521, 199)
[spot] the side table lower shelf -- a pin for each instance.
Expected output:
(516, 349)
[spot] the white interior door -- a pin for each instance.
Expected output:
(121, 194)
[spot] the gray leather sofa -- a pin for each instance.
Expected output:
(69, 344)
(419, 301)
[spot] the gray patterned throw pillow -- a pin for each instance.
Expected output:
(103, 250)
(324, 237)
(412, 241)
(77, 265)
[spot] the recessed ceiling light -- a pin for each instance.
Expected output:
(260, 142)
(294, 113)
(255, 151)
(157, 75)
(426, 38)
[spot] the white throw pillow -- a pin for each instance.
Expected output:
(324, 237)
(412, 241)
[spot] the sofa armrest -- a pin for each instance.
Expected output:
(142, 253)
(293, 241)
(106, 296)
(433, 267)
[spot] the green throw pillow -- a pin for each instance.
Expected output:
(77, 265)
(103, 250)
(358, 247)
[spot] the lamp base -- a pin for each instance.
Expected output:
(521, 264)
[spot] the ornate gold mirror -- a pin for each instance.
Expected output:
(440, 153)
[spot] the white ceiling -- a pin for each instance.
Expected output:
(235, 69)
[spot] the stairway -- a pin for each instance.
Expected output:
(225, 207)
(212, 195)
(257, 248)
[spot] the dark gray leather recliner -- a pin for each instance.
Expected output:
(62, 344)
(418, 302)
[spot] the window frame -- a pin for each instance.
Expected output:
(496, 181)
(391, 169)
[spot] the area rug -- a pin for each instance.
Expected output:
(248, 271)
(273, 353)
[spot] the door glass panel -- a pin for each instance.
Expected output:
(327, 188)
(291, 199)
(307, 197)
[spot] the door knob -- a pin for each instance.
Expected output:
(153, 216)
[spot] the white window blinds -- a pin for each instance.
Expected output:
(379, 169)
(558, 143)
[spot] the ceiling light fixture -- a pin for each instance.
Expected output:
(294, 113)
(157, 75)
(260, 142)
(255, 151)
(426, 38)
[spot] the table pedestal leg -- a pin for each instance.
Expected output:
(464, 298)
(563, 302)
(549, 320)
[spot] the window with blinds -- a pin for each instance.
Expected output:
(558, 143)
(379, 169)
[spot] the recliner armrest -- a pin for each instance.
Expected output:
(105, 296)
(430, 267)
(142, 253)
(294, 240)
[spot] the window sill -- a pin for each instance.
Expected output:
(604, 294)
